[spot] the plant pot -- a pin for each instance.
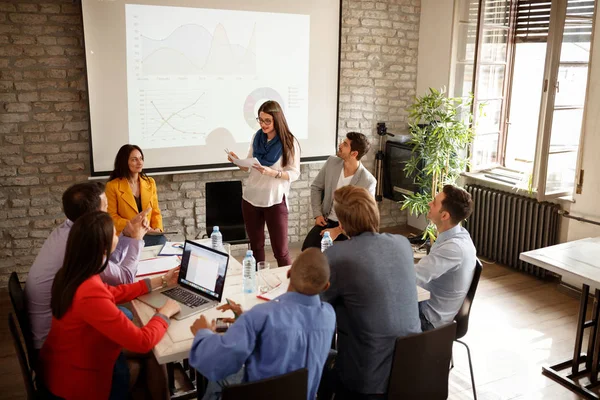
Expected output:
(419, 222)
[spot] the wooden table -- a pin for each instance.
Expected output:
(177, 342)
(578, 259)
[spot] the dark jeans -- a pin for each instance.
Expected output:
(313, 239)
(425, 324)
(331, 383)
(276, 218)
(154, 240)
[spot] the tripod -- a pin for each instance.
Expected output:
(382, 132)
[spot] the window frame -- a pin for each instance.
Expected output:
(557, 23)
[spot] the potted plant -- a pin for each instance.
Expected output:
(441, 130)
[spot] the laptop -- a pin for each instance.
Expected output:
(200, 284)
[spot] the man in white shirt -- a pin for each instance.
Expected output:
(341, 170)
(447, 271)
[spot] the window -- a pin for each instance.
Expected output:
(526, 63)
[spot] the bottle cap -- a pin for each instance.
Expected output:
(326, 234)
(215, 228)
(249, 252)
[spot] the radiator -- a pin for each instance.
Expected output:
(504, 224)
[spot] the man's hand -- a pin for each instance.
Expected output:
(234, 307)
(137, 227)
(202, 323)
(320, 221)
(333, 232)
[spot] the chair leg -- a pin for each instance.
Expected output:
(470, 368)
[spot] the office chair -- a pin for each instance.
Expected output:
(19, 304)
(224, 209)
(26, 372)
(462, 318)
(420, 365)
(290, 386)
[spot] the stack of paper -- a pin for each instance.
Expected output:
(157, 265)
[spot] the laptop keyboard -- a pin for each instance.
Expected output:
(183, 296)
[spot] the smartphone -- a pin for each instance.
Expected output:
(222, 326)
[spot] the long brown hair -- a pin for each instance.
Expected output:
(273, 108)
(121, 168)
(88, 249)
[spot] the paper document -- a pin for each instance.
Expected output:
(171, 249)
(245, 162)
(274, 293)
(158, 265)
(162, 233)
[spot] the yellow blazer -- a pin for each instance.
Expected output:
(121, 203)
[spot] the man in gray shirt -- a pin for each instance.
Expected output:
(341, 170)
(122, 266)
(373, 291)
(447, 271)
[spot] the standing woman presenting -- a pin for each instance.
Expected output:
(129, 191)
(268, 186)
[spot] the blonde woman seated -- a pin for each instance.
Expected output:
(129, 191)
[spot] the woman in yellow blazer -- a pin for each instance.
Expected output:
(129, 191)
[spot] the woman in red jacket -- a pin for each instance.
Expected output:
(88, 330)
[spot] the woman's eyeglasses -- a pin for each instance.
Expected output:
(266, 122)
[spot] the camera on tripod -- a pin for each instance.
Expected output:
(381, 129)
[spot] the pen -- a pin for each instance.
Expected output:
(234, 313)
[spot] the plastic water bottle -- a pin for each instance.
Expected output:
(216, 238)
(326, 242)
(249, 271)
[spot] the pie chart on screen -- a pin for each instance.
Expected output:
(255, 99)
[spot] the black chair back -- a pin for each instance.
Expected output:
(19, 304)
(290, 386)
(462, 317)
(420, 365)
(224, 209)
(25, 371)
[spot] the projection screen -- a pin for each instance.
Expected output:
(183, 79)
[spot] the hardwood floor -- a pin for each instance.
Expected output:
(518, 323)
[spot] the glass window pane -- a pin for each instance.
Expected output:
(468, 10)
(572, 81)
(561, 172)
(525, 101)
(485, 150)
(566, 128)
(490, 81)
(467, 34)
(463, 80)
(575, 52)
(488, 120)
(493, 46)
(497, 12)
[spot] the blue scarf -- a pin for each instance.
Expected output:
(267, 153)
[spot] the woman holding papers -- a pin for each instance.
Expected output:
(129, 191)
(264, 199)
(81, 358)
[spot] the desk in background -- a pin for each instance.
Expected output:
(578, 259)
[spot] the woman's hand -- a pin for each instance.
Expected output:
(172, 276)
(170, 308)
(266, 170)
(231, 156)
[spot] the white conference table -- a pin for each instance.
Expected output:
(177, 342)
(578, 259)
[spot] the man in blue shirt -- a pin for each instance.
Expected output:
(447, 271)
(292, 332)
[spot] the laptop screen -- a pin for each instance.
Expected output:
(203, 269)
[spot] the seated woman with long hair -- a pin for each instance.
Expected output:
(129, 192)
(88, 331)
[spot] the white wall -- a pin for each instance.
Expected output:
(435, 44)
(587, 203)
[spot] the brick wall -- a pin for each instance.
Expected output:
(44, 138)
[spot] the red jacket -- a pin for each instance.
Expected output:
(78, 357)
